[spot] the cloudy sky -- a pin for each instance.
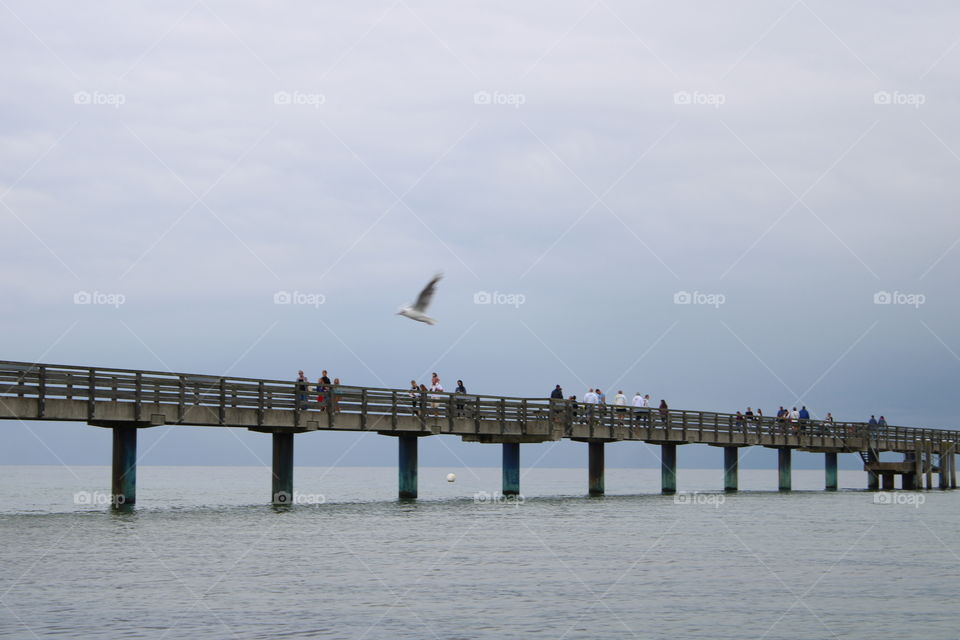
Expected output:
(707, 202)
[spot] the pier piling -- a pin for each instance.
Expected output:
(407, 467)
(282, 468)
(595, 463)
(830, 470)
(124, 471)
(873, 480)
(784, 466)
(668, 468)
(511, 468)
(731, 457)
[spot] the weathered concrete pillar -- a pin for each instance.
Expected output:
(784, 466)
(407, 467)
(731, 458)
(595, 462)
(953, 467)
(511, 468)
(668, 468)
(917, 465)
(944, 470)
(124, 472)
(873, 480)
(282, 468)
(928, 461)
(888, 481)
(830, 470)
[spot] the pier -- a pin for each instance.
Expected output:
(126, 400)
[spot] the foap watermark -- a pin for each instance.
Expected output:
(697, 498)
(102, 98)
(297, 498)
(99, 298)
(915, 100)
(482, 497)
(698, 297)
(714, 100)
(299, 297)
(499, 98)
(299, 98)
(899, 297)
(97, 499)
(904, 499)
(509, 299)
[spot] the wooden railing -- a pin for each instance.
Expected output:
(93, 384)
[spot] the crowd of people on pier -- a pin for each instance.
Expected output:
(426, 400)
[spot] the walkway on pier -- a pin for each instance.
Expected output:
(126, 400)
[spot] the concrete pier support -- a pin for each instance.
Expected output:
(668, 468)
(124, 472)
(952, 458)
(887, 478)
(830, 470)
(928, 463)
(595, 462)
(282, 468)
(407, 467)
(511, 468)
(785, 468)
(944, 468)
(873, 480)
(731, 458)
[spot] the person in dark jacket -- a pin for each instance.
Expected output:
(557, 393)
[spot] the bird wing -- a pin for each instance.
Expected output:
(423, 300)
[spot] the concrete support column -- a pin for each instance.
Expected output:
(888, 481)
(511, 468)
(785, 467)
(873, 480)
(944, 470)
(595, 461)
(953, 468)
(124, 472)
(928, 461)
(830, 470)
(668, 468)
(917, 465)
(407, 467)
(282, 468)
(731, 458)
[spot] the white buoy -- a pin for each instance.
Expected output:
(451, 477)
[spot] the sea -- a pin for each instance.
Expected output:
(204, 555)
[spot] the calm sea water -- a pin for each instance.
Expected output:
(203, 557)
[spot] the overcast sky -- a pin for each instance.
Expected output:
(785, 167)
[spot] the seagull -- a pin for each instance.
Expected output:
(417, 311)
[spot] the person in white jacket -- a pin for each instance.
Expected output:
(620, 403)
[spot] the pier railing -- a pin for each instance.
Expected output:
(143, 388)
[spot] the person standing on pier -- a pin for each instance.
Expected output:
(437, 388)
(413, 393)
(620, 401)
(664, 411)
(646, 401)
(302, 386)
(804, 418)
(323, 383)
(601, 397)
(557, 393)
(591, 399)
(334, 395)
(461, 389)
(638, 405)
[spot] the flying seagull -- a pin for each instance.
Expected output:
(418, 310)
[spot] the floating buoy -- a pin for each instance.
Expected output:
(451, 477)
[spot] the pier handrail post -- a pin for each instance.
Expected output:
(223, 400)
(476, 414)
(260, 403)
(138, 396)
(363, 408)
(91, 393)
(393, 409)
(181, 398)
(450, 411)
(299, 389)
(42, 391)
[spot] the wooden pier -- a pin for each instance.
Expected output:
(126, 400)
